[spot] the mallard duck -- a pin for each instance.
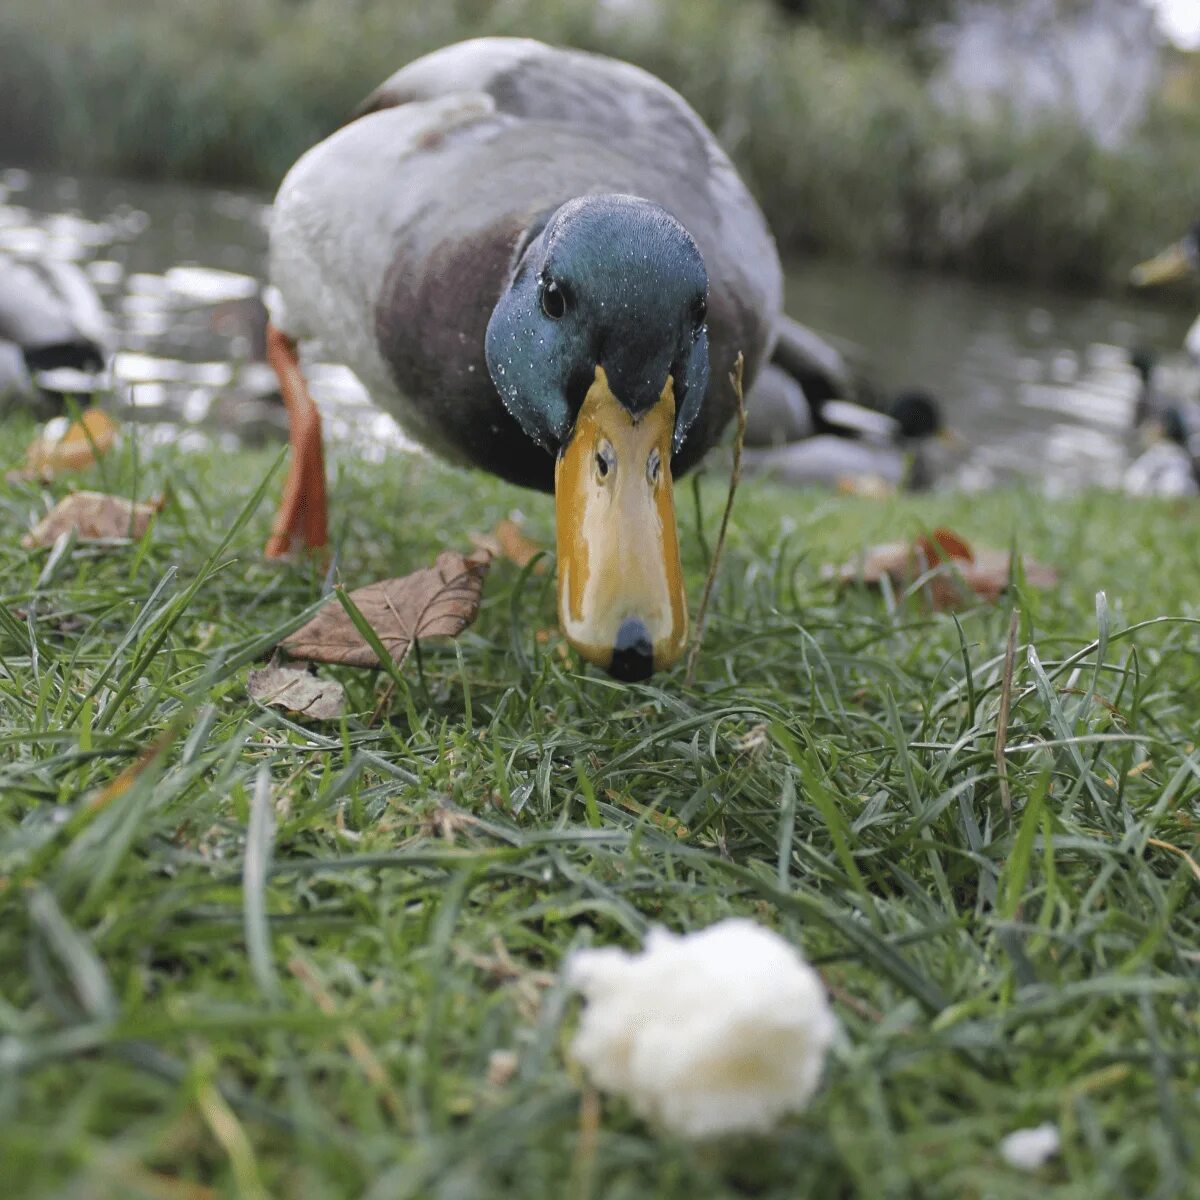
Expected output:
(1145, 362)
(1177, 261)
(808, 388)
(50, 319)
(542, 263)
(868, 446)
(1165, 466)
(815, 419)
(1173, 384)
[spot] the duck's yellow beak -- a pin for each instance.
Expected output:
(621, 601)
(1175, 262)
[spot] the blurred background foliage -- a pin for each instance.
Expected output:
(826, 105)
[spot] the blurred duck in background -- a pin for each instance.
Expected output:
(54, 334)
(1181, 260)
(1171, 385)
(812, 420)
(897, 453)
(1144, 361)
(1166, 465)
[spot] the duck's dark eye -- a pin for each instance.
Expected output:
(653, 467)
(554, 302)
(699, 313)
(606, 460)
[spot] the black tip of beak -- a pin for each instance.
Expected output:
(633, 652)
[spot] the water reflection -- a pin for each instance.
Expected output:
(1040, 385)
(178, 270)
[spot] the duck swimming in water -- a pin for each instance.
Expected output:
(542, 263)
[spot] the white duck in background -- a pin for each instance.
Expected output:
(54, 333)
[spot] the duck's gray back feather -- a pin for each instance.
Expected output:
(394, 238)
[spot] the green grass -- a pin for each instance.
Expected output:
(831, 773)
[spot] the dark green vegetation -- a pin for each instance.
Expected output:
(840, 141)
(184, 996)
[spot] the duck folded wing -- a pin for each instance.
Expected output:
(612, 100)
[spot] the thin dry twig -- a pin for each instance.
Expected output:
(851, 1001)
(735, 379)
(137, 1180)
(1187, 858)
(355, 1043)
(1010, 652)
(223, 1124)
(583, 1169)
(1159, 844)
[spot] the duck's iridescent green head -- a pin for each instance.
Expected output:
(610, 281)
(599, 349)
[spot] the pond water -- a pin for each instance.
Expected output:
(1037, 384)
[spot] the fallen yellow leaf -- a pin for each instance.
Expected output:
(92, 436)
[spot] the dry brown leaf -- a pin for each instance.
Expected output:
(296, 691)
(973, 574)
(437, 601)
(94, 434)
(663, 820)
(988, 573)
(502, 1067)
(488, 543)
(509, 540)
(943, 544)
(518, 546)
(128, 777)
(94, 516)
(870, 487)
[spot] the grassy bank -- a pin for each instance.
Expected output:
(842, 144)
(314, 1014)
